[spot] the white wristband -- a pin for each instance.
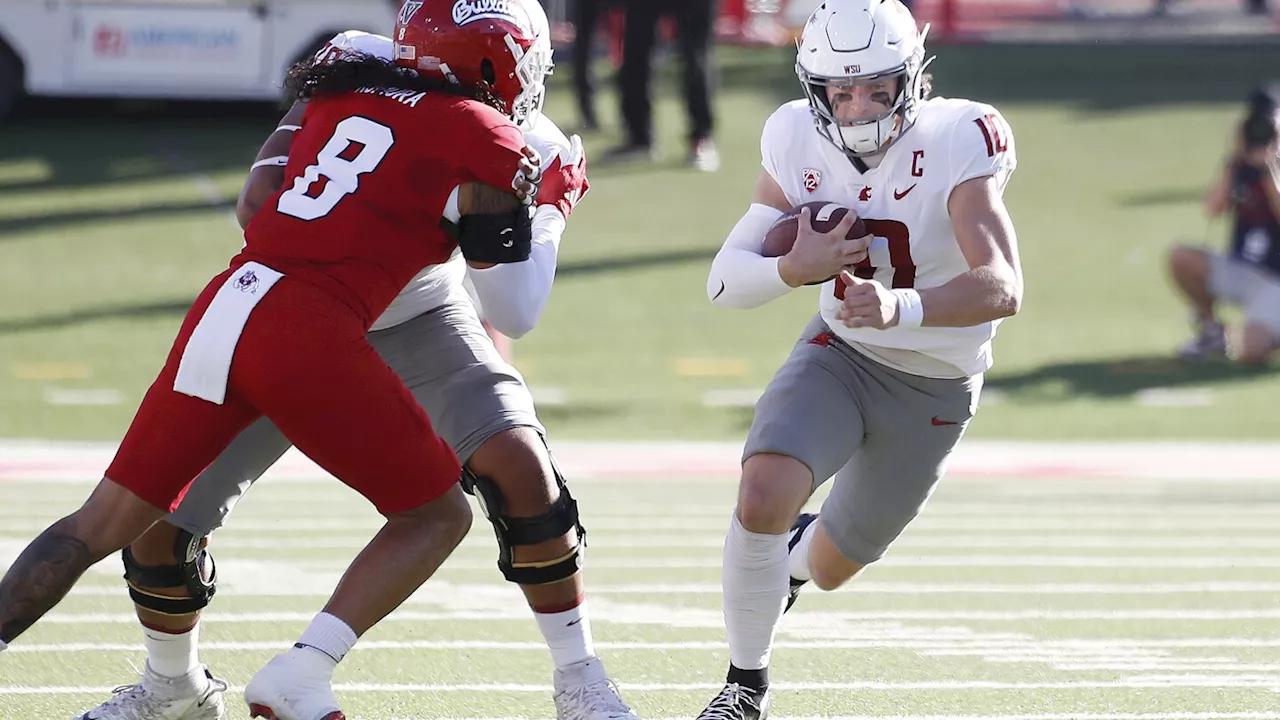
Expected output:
(910, 308)
(277, 161)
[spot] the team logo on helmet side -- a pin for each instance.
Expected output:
(408, 10)
(812, 179)
(469, 11)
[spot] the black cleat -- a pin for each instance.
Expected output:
(737, 702)
(797, 530)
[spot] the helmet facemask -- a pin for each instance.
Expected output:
(533, 67)
(872, 134)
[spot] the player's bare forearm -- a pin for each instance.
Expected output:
(262, 183)
(40, 577)
(479, 199)
(981, 295)
(264, 180)
(992, 288)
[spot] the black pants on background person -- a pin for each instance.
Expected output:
(695, 21)
(586, 21)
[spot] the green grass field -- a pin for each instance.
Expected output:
(1031, 598)
(109, 226)
(1013, 597)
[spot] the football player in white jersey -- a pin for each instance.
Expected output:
(883, 382)
(432, 337)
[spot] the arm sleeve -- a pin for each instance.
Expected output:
(514, 295)
(740, 276)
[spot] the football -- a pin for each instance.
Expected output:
(823, 217)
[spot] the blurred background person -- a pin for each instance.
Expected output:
(586, 19)
(694, 20)
(1248, 274)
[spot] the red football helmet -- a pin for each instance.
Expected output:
(504, 45)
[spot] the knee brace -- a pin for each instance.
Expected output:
(194, 572)
(512, 531)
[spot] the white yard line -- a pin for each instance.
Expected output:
(1041, 716)
(900, 560)
(522, 615)
(1164, 683)
(677, 461)
(324, 586)
(928, 524)
(1120, 650)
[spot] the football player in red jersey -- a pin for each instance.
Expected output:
(477, 402)
(281, 334)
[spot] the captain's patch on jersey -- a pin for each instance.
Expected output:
(812, 179)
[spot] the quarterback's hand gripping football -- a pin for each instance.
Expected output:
(817, 257)
(867, 304)
(564, 182)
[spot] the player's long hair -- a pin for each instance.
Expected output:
(308, 80)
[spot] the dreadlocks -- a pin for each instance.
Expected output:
(361, 71)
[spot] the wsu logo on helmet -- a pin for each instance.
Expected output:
(469, 11)
(408, 10)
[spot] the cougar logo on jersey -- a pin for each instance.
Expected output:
(812, 179)
(408, 10)
(469, 11)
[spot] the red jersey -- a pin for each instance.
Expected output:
(367, 181)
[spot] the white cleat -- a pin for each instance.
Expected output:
(194, 696)
(295, 685)
(585, 692)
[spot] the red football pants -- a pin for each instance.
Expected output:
(302, 361)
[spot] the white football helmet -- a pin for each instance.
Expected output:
(534, 68)
(852, 42)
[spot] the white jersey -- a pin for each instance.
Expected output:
(904, 203)
(436, 284)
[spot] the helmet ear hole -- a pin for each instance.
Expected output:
(487, 73)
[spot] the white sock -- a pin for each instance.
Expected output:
(329, 635)
(755, 591)
(568, 635)
(172, 655)
(799, 558)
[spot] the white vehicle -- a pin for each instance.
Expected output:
(189, 49)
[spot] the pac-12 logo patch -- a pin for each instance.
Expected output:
(812, 179)
(408, 10)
